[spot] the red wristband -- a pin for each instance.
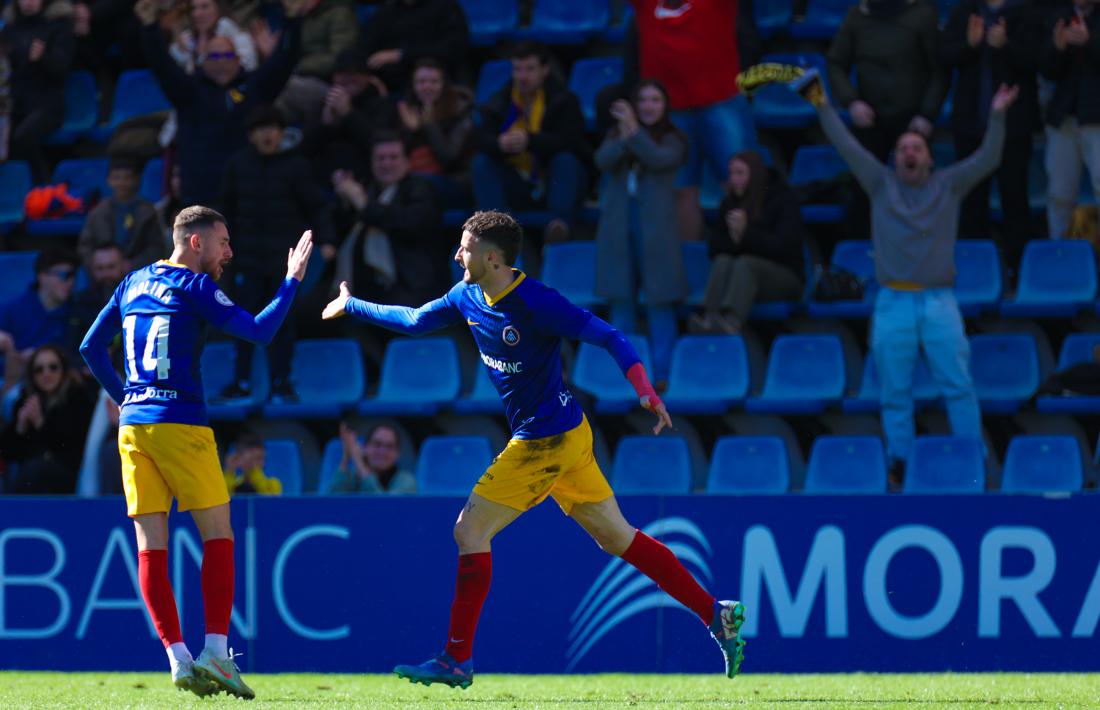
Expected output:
(638, 378)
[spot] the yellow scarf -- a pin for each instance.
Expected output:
(530, 121)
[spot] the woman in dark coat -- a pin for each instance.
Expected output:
(637, 242)
(756, 251)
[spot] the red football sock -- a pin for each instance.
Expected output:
(475, 571)
(217, 584)
(157, 591)
(658, 563)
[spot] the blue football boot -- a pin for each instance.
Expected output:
(441, 669)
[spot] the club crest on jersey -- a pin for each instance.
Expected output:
(510, 335)
(221, 298)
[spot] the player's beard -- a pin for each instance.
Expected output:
(214, 268)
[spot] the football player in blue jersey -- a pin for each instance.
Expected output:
(518, 324)
(166, 445)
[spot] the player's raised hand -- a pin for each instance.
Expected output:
(297, 260)
(335, 307)
(655, 405)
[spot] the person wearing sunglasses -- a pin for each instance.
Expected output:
(39, 315)
(44, 442)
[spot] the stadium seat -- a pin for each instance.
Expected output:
(451, 465)
(843, 465)
(813, 163)
(1042, 464)
(566, 21)
(945, 464)
(491, 78)
(218, 363)
(284, 461)
(857, 257)
(15, 183)
(1005, 369)
(783, 310)
(1057, 278)
(136, 94)
(570, 268)
(86, 178)
(772, 17)
(328, 376)
(616, 31)
(588, 77)
(925, 389)
(978, 283)
(709, 374)
(822, 20)
(330, 459)
(652, 465)
(16, 273)
(749, 465)
(1076, 349)
(419, 377)
(776, 105)
(483, 398)
(596, 372)
(80, 109)
(805, 375)
(152, 180)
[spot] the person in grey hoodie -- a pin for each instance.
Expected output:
(914, 224)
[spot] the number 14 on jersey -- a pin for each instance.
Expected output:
(155, 357)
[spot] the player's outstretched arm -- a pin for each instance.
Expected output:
(262, 328)
(94, 350)
(432, 316)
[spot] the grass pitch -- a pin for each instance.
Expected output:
(508, 692)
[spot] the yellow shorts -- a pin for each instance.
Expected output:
(561, 466)
(162, 461)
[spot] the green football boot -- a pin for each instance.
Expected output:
(223, 672)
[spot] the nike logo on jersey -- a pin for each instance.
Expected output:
(663, 11)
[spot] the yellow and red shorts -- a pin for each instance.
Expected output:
(562, 466)
(162, 461)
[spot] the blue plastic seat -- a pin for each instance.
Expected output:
(856, 256)
(419, 377)
(652, 465)
(616, 31)
(80, 109)
(491, 78)
(16, 273)
(588, 77)
(15, 183)
(570, 268)
(1076, 349)
(843, 465)
(814, 163)
(1005, 369)
(328, 376)
(566, 21)
(925, 389)
(1057, 278)
(750, 465)
(218, 363)
(772, 17)
(823, 18)
(597, 373)
(330, 459)
(136, 94)
(945, 464)
(451, 465)
(83, 176)
(777, 105)
(152, 180)
(805, 375)
(978, 281)
(483, 398)
(284, 461)
(1042, 464)
(709, 374)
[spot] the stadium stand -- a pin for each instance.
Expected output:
(805, 375)
(648, 465)
(709, 374)
(945, 464)
(450, 465)
(284, 462)
(749, 465)
(419, 377)
(1042, 464)
(844, 465)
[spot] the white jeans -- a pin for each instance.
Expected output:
(1067, 147)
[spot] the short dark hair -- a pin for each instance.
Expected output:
(530, 48)
(500, 228)
(388, 136)
(351, 61)
(249, 439)
(125, 162)
(927, 141)
(193, 218)
(264, 115)
(107, 246)
(52, 256)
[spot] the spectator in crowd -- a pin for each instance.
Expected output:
(41, 315)
(394, 248)
(757, 250)
(1071, 59)
(637, 249)
(532, 145)
(106, 266)
(696, 50)
(355, 108)
(371, 466)
(213, 103)
(404, 32)
(206, 22)
(46, 438)
(39, 37)
(329, 27)
(126, 219)
(993, 42)
(269, 198)
(899, 82)
(244, 467)
(914, 219)
(104, 32)
(438, 126)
